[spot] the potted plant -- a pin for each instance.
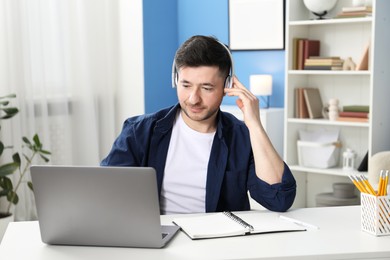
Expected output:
(18, 166)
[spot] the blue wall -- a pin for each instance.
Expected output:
(160, 44)
(183, 19)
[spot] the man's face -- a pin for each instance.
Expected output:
(200, 91)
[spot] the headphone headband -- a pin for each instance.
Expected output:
(229, 78)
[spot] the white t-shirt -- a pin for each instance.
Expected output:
(184, 184)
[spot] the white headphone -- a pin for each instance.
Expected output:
(229, 78)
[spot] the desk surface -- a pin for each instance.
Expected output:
(339, 237)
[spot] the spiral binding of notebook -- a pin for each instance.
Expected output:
(238, 220)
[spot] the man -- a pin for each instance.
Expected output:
(206, 160)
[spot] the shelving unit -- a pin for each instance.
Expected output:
(346, 37)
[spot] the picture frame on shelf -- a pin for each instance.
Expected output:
(256, 24)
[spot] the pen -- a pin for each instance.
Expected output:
(301, 223)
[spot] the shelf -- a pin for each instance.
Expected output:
(326, 122)
(331, 21)
(343, 37)
(331, 72)
(329, 171)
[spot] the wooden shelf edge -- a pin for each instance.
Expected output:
(367, 19)
(329, 171)
(331, 72)
(326, 122)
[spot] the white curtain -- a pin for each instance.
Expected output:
(62, 59)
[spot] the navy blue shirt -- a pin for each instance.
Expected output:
(144, 141)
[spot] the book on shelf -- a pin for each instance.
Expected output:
(301, 46)
(312, 48)
(355, 11)
(348, 9)
(352, 119)
(354, 114)
(227, 224)
(324, 57)
(356, 108)
(353, 15)
(313, 102)
(323, 63)
(322, 67)
(300, 104)
(295, 53)
(307, 48)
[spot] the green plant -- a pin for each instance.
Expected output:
(34, 148)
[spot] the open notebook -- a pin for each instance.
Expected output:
(226, 224)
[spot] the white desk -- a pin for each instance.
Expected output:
(339, 237)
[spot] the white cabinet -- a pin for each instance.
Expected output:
(345, 38)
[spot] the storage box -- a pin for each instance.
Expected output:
(317, 154)
(375, 214)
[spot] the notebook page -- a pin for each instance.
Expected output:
(209, 226)
(266, 222)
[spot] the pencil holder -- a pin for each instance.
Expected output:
(375, 214)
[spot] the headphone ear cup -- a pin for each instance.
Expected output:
(176, 79)
(174, 75)
(228, 82)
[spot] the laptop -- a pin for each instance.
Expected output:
(99, 206)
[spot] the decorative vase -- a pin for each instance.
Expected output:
(4, 221)
(333, 109)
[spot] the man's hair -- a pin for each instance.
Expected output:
(203, 51)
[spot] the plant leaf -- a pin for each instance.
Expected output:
(9, 112)
(8, 168)
(13, 197)
(44, 151)
(9, 96)
(37, 142)
(3, 193)
(30, 185)
(25, 140)
(6, 184)
(16, 158)
(27, 159)
(44, 158)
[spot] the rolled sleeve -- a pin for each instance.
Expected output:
(276, 197)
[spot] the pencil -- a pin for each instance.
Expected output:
(357, 185)
(386, 183)
(383, 182)
(367, 185)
